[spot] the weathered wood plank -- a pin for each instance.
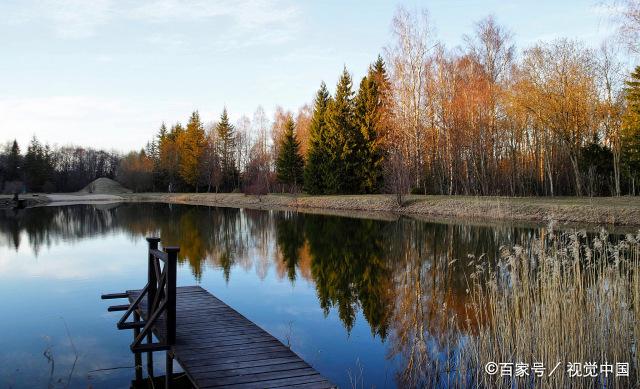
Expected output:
(218, 347)
(259, 379)
(237, 359)
(308, 382)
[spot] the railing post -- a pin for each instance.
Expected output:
(136, 356)
(151, 294)
(172, 261)
(151, 275)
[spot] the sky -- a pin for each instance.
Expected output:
(107, 73)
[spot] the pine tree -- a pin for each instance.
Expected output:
(314, 171)
(371, 119)
(191, 145)
(37, 166)
(290, 165)
(344, 141)
(159, 179)
(630, 134)
(14, 160)
(226, 144)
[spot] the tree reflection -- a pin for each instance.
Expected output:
(290, 240)
(349, 268)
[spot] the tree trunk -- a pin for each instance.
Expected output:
(576, 171)
(616, 171)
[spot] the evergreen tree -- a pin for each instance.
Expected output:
(314, 171)
(192, 143)
(38, 168)
(226, 144)
(630, 134)
(14, 160)
(371, 119)
(159, 179)
(344, 141)
(290, 165)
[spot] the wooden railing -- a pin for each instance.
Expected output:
(159, 296)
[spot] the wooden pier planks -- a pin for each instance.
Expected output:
(218, 347)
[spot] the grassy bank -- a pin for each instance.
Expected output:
(623, 211)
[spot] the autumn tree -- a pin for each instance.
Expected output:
(290, 165)
(170, 156)
(490, 56)
(136, 171)
(303, 125)
(561, 93)
(191, 144)
(278, 128)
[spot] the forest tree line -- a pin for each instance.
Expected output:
(42, 168)
(556, 118)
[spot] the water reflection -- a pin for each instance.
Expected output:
(406, 277)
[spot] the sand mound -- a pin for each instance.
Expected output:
(104, 185)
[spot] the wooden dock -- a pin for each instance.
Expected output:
(218, 347)
(214, 344)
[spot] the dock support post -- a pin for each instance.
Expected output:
(137, 357)
(151, 295)
(168, 376)
(172, 263)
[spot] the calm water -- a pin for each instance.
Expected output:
(361, 300)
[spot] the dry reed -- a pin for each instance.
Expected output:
(563, 299)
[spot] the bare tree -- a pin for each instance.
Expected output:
(629, 23)
(610, 80)
(397, 179)
(411, 61)
(211, 165)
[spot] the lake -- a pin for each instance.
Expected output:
(363, 301)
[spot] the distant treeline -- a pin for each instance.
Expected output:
(45, 169)
(556, 118)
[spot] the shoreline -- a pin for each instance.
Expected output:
(610, 211)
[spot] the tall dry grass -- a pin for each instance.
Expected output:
(564, 299)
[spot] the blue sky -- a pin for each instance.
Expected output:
(106, 73)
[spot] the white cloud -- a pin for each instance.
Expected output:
(247, 14)
(166, 40)
(73, 18)
(77, 19)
